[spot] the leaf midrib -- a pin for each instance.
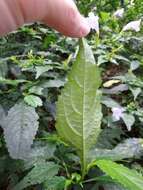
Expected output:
(83, 141)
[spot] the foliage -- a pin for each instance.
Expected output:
(41, 172)
(131, 148)
(40, 70)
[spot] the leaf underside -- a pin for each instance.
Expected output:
(78, 108)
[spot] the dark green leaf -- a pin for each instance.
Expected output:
(109, 102)
(39, 174)
(42, 69)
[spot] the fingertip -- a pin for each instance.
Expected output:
(77, 25)
(79, 29)
(84, 28)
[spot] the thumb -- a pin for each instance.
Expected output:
(64, 16)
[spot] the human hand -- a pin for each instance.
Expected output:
(61, 15)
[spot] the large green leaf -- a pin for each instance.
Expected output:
(20, 127)
(78, 108)
(130, 179)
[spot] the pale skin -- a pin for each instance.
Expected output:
(61, 15)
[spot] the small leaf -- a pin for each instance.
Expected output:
(33, 101)
(78, 109)
(105, 16)
(36, 90)
(12, 82)
(109, 102)
(53, 83)
(130, 179)
(40, 173)
(102, 59)
(20, 127)
(121, 58)
(134, 65)
(129, 120)
(42, 69)
(135, 92)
